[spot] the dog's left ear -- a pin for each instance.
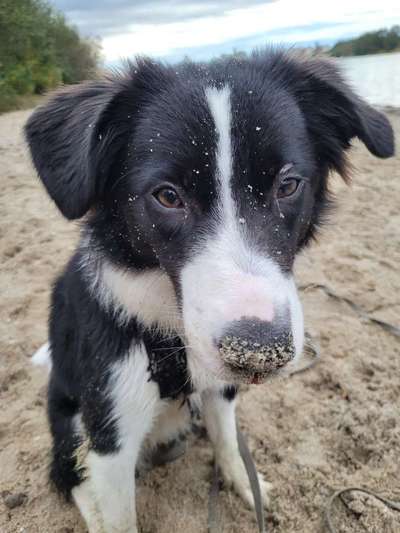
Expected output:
(334, 114)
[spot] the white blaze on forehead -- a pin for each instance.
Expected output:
(228, 277)
(219, 101)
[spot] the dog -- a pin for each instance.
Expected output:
(197, 185)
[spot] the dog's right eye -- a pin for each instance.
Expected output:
(169, 198)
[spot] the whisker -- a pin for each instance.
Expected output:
(184, 384)
(170, 348)
(169, 356)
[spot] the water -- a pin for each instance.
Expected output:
(376, 78)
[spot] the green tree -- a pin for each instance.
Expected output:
(384, 40)
(39, 50)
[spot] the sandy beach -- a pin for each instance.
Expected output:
(336, 425)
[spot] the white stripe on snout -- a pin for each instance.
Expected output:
(231, 228)
(219, 101)
(228, 277)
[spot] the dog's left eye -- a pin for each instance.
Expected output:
(288, 187)
(168, 198)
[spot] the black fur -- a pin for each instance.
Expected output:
(229, 392)
(167, 364)
(102, 148)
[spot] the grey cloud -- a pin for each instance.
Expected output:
(109, 17)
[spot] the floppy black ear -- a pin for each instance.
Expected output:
(349, 115)
(62, 138)
(333, 112)
(77, 136)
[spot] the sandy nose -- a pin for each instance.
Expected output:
(256, 345)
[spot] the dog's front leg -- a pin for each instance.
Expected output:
(106, 499)
(220, 421)
(115, 433)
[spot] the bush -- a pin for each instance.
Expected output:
(39, 50)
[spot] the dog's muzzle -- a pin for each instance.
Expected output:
(253, 349)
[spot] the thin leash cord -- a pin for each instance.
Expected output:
(253, 478)
(390, 328)
(312, 351)
(214, 517)
(339, 494)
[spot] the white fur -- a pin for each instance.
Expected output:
(42, 357)
(85, 500)
(134, 395)
(219, 417)
(297, 318)
(107, 497)
(173, 420)
(220, 107)
(148, 296)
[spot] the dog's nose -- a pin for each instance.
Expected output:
(254, 346)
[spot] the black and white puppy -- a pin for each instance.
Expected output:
(198, 184)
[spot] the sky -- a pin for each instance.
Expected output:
(172, 29)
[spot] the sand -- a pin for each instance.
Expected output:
(332, 427)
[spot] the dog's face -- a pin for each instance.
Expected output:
(218, 175)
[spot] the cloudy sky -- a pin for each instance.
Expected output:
(201, 29)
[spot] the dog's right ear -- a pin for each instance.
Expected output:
(60, 135)
(75, 137)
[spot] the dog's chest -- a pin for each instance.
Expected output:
(168, 365)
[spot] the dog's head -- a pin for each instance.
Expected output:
(217, 174)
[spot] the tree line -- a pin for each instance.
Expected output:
(40, 50)
(374, 42)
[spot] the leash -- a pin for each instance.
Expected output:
(390, 328)
(339, 494)
(312, 353)
(253, 478)
(214, 517)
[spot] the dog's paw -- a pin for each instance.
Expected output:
(235, 475)
(247, 494)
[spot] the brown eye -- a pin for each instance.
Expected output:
(168, 198)
(288, 187)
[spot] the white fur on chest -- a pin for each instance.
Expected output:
(147, 295)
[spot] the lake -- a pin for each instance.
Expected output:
(376, 78)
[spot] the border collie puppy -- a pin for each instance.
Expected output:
(198, 184)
